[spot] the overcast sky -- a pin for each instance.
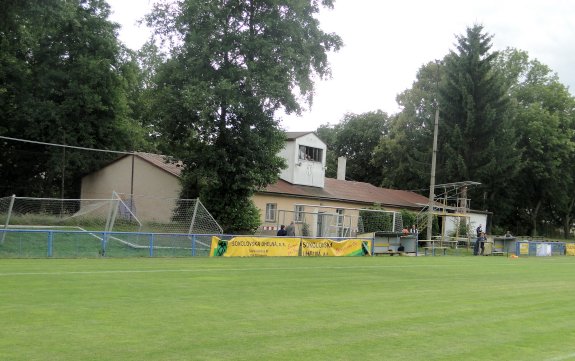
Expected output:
(386, 42)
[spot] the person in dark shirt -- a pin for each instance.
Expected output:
(479, 246)
(282, 231)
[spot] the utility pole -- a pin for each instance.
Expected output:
(432, 182)
(433, 157)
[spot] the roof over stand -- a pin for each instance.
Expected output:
(457, 184)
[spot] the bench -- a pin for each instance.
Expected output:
(392, 253)
(389, 252)
(432, 250)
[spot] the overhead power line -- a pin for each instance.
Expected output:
(65, 146)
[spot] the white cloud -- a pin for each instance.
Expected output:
(127, 13)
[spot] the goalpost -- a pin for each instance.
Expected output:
(181, 223)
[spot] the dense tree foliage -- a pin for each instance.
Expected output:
(328, 133)
(404, 153)
(505, 121)
(544, 110)
(354, 138)
(477, 136)
(208, 90)
(233, 64)
(357, 140)
(61, 81)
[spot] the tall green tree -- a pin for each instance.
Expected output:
(403, 156)
(328, 134)
(545, 125)
(61, 81)
(477, 136)
(233, 64)
(355, 138)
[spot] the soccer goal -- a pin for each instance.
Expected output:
(120, 213)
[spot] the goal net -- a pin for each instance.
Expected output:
(120, 213)
(374, 220)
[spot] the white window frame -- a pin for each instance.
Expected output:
(271, 211)
(299, 213)
(340, 216)
(311, 154)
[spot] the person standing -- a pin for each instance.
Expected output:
(282, 231)
(479, 246)
(290, 230)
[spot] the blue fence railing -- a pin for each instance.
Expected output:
(57, 243)
(26, 243)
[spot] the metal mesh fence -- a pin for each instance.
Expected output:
(325, 221)
(171, 215)
(120, 213)
(373, 220)
(317, 224)
(24, 212)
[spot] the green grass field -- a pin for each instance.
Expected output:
(365, 308)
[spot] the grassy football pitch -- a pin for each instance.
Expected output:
(365, 308)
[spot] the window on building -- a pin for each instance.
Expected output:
(310, 153)
(271, 210)
(340, 216)
(299, 213)
(340, 221)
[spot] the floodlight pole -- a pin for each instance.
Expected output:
(432, 181)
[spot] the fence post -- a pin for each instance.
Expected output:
(104, 241)
(151, 245)
(8, 217)
(50, 242)
(193, 245)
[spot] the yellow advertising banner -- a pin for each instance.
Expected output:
(523, 248)
(329, 247)
(570, 249)
(255, 247)
(217, 247)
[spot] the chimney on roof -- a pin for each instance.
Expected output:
(341, 164)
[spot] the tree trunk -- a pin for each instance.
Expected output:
(567, 227)
(534, 218)
(567, 220)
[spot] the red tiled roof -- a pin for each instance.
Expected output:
(354, 192)
(334, 189)
(162, 162)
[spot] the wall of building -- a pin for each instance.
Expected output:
(289, 153)
(154, 188)
(313, 208)
(302, 171)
